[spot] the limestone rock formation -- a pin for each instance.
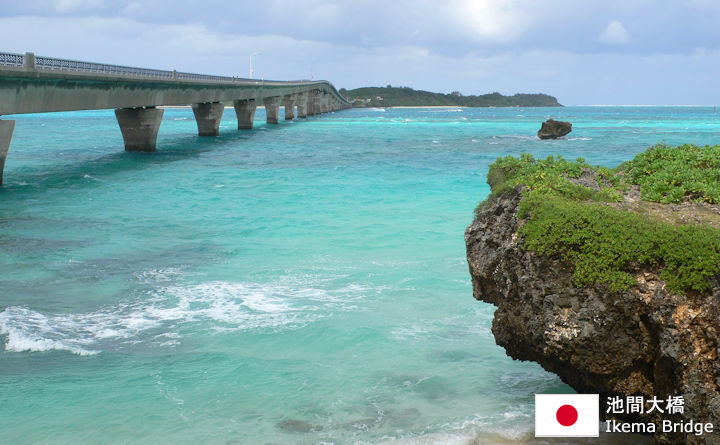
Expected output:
(552, 129)
(643, 342)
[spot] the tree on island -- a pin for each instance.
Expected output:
(405, 96)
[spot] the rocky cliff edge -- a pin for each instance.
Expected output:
(642, 341)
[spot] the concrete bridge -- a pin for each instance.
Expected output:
(30, 84)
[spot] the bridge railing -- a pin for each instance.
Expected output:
(10, 59)
(51, 63)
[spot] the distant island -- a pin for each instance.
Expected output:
(390, 96)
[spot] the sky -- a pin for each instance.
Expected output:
(582, 52)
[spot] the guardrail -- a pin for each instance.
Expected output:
(51, 63)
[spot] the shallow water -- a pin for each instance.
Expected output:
(300, 283)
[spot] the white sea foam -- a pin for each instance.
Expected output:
(167, 274)
(471, 431)
(434, 439)
(443, 110)
(377, 109)
(516, 136)
(31, 334)
(162, 317)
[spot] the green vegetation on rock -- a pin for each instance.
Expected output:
(551, 177)
(570, 210)
(404, 96)
(673, 174)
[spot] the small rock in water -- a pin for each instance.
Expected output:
(297, 426)
(552, 129)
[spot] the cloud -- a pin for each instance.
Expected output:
(488, 20)
(450, 27)
(191, 47)
(71, 5)
(615, 33)
(508, 46)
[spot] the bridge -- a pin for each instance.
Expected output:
(34, 84)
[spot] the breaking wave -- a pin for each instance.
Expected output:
(166, 315)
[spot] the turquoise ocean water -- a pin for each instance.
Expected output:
(300, 283)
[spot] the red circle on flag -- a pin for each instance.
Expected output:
(566, 415)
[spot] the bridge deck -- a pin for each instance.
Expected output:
(30, 84)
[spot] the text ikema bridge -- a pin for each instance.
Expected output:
(670, 407)
(577, 415)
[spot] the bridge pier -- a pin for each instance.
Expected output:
(272, 109)
(139, 127)
(6, 131)
(208, 116)
(302, 100)
(289, 107)
(317, 106)
(312, 103)
(245, 111)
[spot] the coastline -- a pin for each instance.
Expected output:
(423, 106)
(403, 106)
(514, 106)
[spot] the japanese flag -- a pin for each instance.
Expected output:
(567, 415)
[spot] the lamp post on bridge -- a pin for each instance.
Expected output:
(252, 72)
